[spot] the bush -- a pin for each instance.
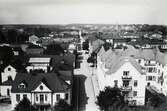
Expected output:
(110, 98)
(62, 105)
(25, 105)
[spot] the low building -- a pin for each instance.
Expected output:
(39, 63)
(43, 90)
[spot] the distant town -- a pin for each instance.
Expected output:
(83, 67)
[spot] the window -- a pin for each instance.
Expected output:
(139, 61)
(135, 83)
(10, 78)
(125, 73)
(24, 95)
(115, 83)
(152, 69)
(46, 97)
(151, 78)
(41, 87)
(134, 93)
(17, 97)
(58, 97)
(36, 97)
(66, 96)
(8, 92)
(125, 83)
(9, 69)
(41, 98)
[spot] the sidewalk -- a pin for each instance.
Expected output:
(95, 84)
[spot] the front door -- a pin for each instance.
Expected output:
(41, 98)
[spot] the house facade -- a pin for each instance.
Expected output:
(125, 74)
(43, 90)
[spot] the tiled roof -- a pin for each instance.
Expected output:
(121, 61)
(97, 43)
(51, 80)
(114, 59)
(66, 75)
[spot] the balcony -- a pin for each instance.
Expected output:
(126, 88)
(126, 77)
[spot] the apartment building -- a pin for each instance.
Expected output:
(132, 70)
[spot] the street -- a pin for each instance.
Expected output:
(84, 99)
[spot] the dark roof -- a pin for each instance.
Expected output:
(66, 75)
(34, 47)
(51, 80)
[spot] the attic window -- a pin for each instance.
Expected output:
(9, 69)
(22, 86)
(41, 87)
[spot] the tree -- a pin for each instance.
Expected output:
(154, 99)
(62, 105)
(25, 105)
(86, 45)
(110, 99)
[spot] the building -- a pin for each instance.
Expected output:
(39, 63)
(9, 71)
(8, 74)
(43, 90)
(33, 39)
(122, 72)
(147, 66)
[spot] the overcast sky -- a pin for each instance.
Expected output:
(83, 11)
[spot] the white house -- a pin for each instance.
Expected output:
(9, 71)
(39, 63)
(43, 90)
(147, 66)
(123, 72)
(5, 88)
(33, 39)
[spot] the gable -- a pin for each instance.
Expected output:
(9, 68)
(42, 88)
(134, 72)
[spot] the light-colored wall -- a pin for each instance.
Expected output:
(7, 73)
(3, 90)
(108, 79)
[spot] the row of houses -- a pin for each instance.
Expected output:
(132, 70)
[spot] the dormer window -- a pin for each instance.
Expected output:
(21, 86)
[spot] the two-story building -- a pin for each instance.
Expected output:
(123, 72)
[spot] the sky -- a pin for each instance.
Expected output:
(83, 11)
